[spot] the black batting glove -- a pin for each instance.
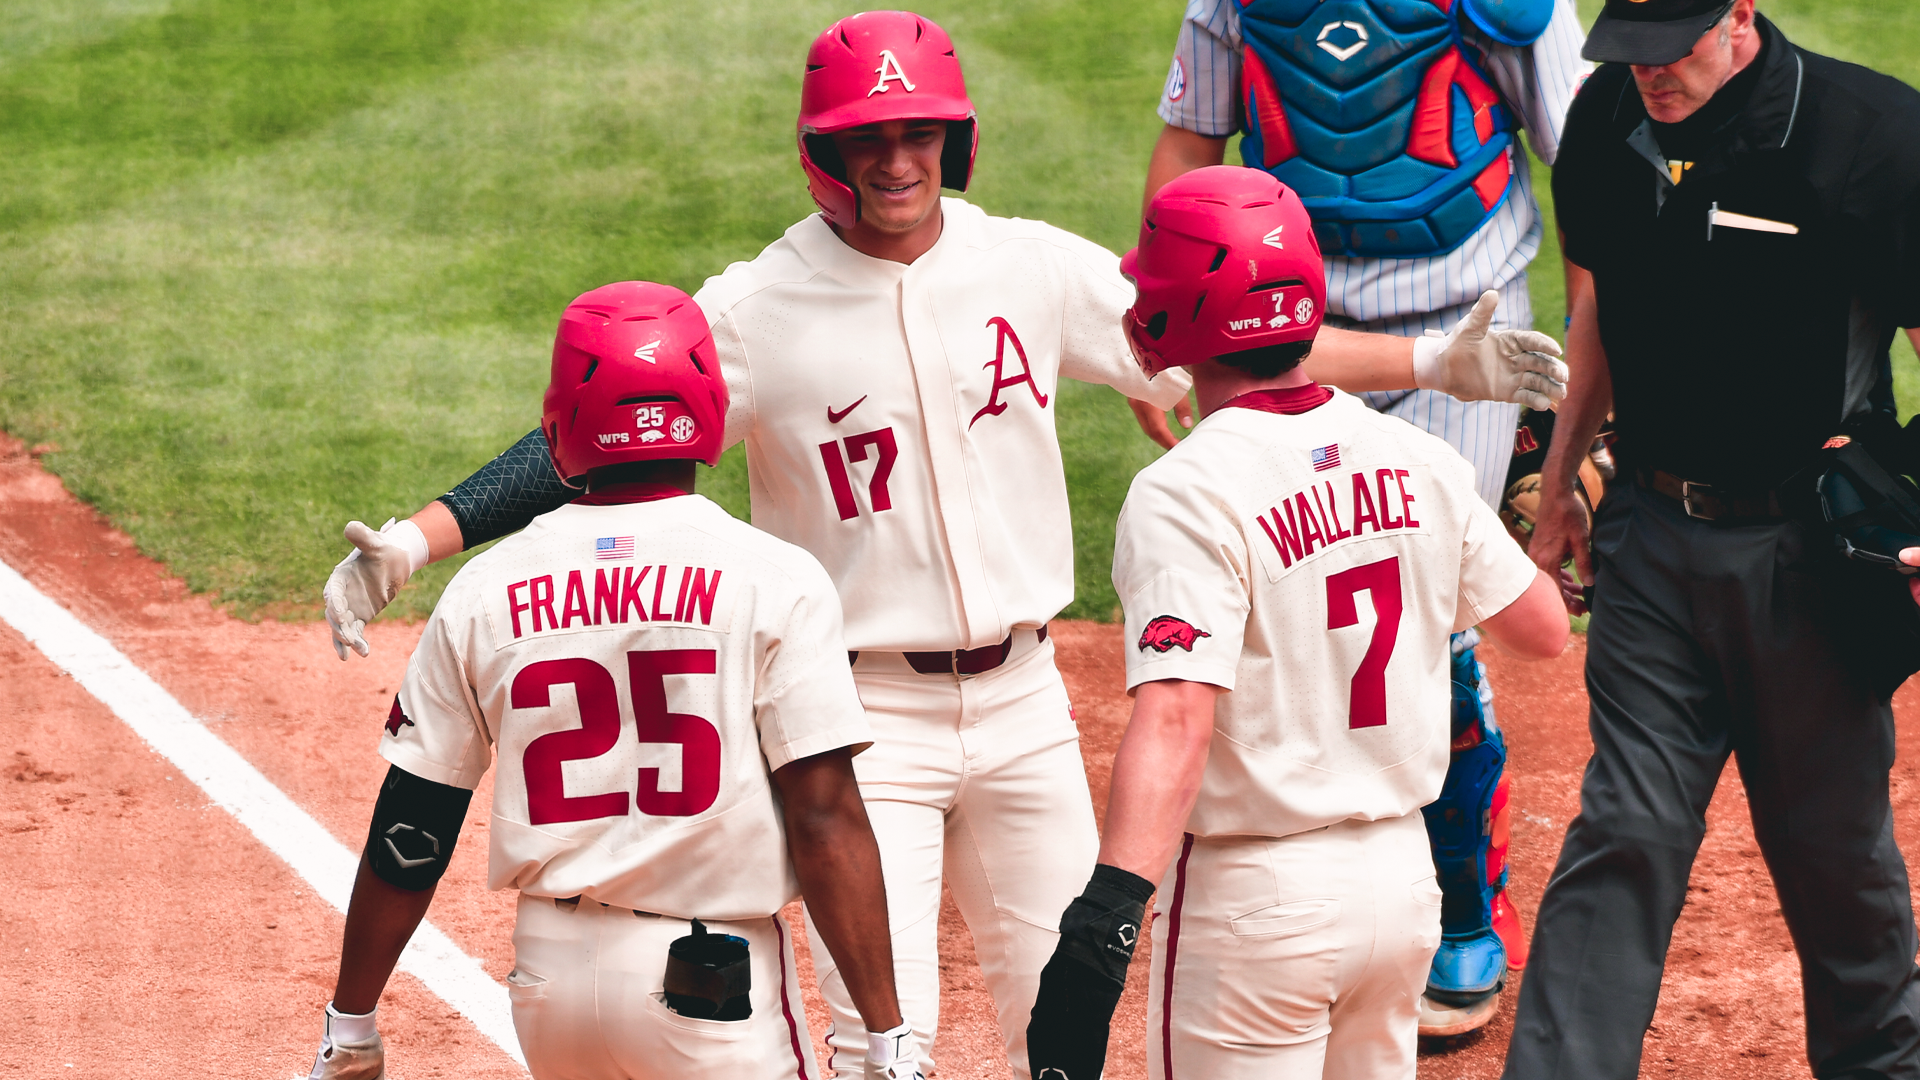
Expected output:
(1081, 984)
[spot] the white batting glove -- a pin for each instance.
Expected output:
(893, 1055)
(349, 1049)
(366, 581)
(1476, 364)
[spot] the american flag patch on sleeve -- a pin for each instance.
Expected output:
(613, 547)
(1326, 457)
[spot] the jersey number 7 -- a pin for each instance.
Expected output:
(1381, 582)
(664, 790)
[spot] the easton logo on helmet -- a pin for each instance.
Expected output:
(1166, 631)
(889, 69)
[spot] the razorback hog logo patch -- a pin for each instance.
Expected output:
(1166, 631)
(397, 717)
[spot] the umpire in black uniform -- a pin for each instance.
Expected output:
(1747, 215)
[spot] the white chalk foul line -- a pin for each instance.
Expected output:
(241, 790)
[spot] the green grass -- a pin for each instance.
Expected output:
(265, 267)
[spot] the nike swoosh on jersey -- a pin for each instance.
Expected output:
(836, 417)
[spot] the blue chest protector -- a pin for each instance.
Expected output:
(1374, 113)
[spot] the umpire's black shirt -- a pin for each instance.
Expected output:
(1735, 351)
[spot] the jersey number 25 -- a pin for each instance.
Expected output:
(698, 780)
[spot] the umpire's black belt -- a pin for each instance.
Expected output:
(955, 661)
(1709, 503)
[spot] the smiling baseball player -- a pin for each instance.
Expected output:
(893, 363)
(667, 695)
(1289, 573)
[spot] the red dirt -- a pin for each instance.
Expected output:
(143, 925)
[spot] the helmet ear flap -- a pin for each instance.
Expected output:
(826, 156)
(956, 157)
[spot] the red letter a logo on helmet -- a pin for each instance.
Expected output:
(889, 69)
(994, 406)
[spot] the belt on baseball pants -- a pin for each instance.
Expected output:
(951, 661)
(1706, 502)
(572, 903)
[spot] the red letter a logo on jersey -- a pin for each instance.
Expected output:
(396, 717)
(994, 406)
(1165, 631)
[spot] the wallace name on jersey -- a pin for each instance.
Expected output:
(1326, 512)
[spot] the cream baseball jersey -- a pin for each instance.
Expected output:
(899, 419)
(1311, 556)
(639, 671)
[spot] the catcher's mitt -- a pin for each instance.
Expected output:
(1521, 505)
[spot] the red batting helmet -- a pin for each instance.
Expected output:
(1227, 261)
(635, 378)
(874, 66)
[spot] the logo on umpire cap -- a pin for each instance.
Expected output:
(1166, 631)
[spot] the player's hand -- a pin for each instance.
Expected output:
(1560, 532)
(367, 580)
(1475, 363)
(1153, 419)
(1911, 556)
(349, 1049)
(893, 1055)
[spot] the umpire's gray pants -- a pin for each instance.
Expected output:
(1711, 640)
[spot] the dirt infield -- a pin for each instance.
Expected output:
(141, 924)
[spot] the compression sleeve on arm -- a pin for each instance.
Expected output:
(508, 492)
(415, 824)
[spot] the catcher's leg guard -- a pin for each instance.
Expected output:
(1468, 828)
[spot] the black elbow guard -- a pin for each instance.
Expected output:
(508, 492)
(416, 822)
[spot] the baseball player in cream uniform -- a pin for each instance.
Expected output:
(893, 363)
(1289, 574)
(666, 692)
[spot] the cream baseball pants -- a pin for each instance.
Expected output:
(586, 993)
(1294, 958)
(977, 779)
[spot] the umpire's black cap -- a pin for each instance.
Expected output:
(1651, 32)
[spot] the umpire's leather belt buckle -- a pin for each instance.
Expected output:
(1704, 502)
(1709, 503)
